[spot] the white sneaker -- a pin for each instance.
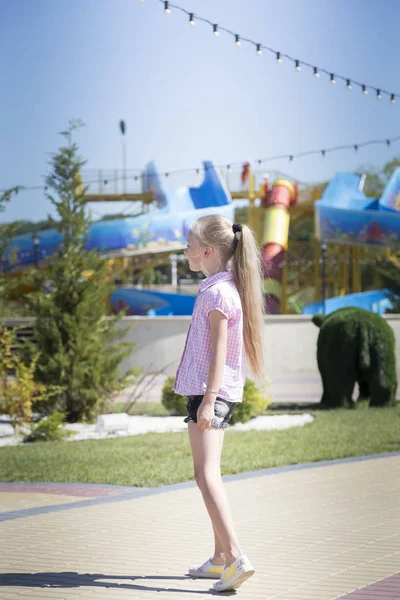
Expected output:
(234, 575)
(207, 570)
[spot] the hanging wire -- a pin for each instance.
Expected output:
(279, 55)
(291, 157)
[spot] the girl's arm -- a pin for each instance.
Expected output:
(219, 336)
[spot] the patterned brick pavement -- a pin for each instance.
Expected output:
(387, 589)
(314, 532)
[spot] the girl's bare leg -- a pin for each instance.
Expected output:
(219, 554)
(206, 451)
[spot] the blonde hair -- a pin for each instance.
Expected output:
(216, 231)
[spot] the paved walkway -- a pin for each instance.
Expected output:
(314, 532)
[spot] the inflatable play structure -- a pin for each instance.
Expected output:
(162, 229)
(151, 303)
(376, 301)
(345, 216)
(345, 219)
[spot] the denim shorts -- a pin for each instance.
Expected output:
(223, 410)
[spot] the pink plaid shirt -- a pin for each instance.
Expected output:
(217, 292)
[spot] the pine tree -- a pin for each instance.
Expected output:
(77, 342)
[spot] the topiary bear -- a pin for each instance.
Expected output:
(355, 345)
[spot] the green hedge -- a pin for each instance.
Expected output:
(355, 345)
(174, 403)
(253, 404)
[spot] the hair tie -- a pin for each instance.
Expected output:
(236, 228)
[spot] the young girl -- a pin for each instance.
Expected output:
(226, 329)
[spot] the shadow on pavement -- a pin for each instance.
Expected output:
(71, 579)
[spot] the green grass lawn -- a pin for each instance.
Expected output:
(158, 459)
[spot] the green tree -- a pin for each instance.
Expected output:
(77, 342)
(390, 167)
(376, 180)
(7, 232)
(33, 227)
(389, 273)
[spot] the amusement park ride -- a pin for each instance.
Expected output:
(346, 228)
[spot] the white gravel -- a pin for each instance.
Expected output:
(148, 424)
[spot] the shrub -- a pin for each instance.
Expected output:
(18, 388)
(49, 429)
(253, 404)
(173, 402)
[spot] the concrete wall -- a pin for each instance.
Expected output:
(290, 342)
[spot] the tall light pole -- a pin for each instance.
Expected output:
(122, 127)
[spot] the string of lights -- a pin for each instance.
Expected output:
(280, 56)
(228, 166)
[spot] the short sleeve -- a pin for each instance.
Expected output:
(216, 301)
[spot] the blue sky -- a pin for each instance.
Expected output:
(187, 96)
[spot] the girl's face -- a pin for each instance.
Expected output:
(195, 253)
(202, 258)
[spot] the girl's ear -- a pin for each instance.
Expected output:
(208, 251)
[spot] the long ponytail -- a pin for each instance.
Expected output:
(242, 250)
(247, 272)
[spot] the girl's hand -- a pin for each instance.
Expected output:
(205, 415)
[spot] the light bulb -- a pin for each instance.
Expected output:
(259, 51)
(192, 22)
(333, 80)
(393, 99)
(349, 86)
(167, 9)
(378, 95)
(388, 143)
(278, 58)
(316, 74)
(215, 30)
(298, 67)
(364, 90)
(237, 40)
(355, 147)
(323, 152)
